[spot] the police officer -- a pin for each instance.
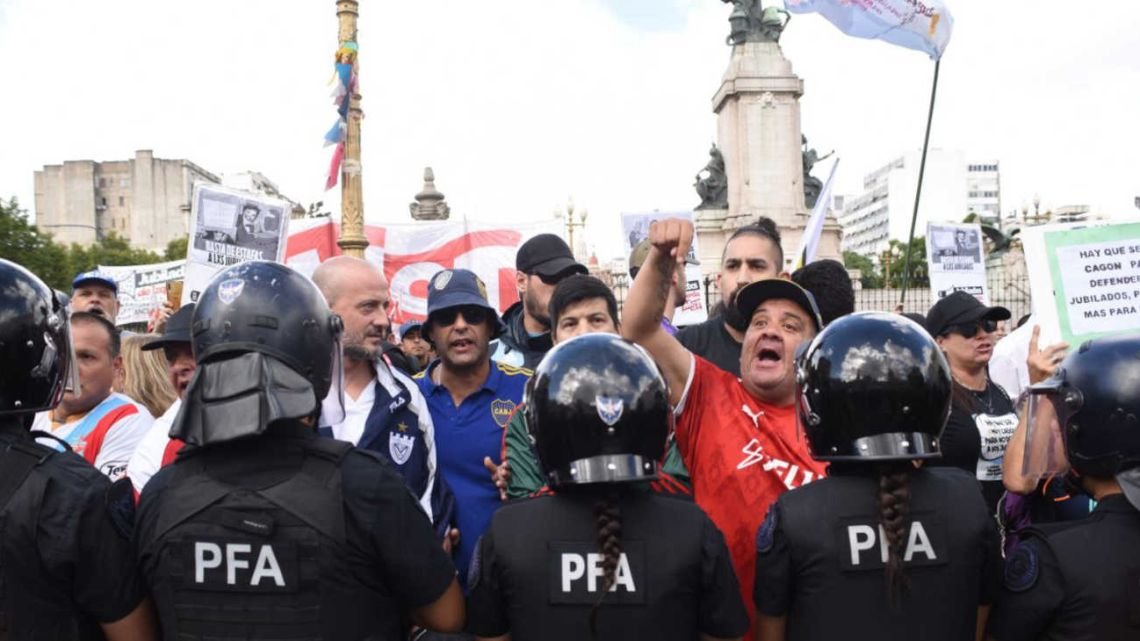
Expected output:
(1080, 579)
(260, 529)
(602, 556)
(66, 567)
(883, 548)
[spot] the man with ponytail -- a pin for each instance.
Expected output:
(884, 548)
(600, 555)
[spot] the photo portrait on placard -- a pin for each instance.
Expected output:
(955, 242)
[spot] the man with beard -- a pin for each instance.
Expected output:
(738, 436)
(97, 293)
(384, 409)
(752, 252)
(540, 264)
(471, 398)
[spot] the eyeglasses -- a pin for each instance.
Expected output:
(970, 330)
(472, 315)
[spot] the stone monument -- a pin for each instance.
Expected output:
(429, 204)
(758, 134)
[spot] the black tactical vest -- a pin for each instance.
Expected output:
(547, 546)
(839, 552)
(268, 563)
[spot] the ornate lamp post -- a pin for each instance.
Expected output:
(352, 241)
(573, 220)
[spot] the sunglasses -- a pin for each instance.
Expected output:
(553, 280)
(472, 315)
(970, 330)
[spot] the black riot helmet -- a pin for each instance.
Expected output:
(35, 353)
(873, 387)
(267, 347)
(598, 411)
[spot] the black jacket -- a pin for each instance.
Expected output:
(514, 346)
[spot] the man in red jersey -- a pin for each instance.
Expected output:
(738, 436)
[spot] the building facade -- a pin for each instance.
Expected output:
(145, 199)
(952, 189)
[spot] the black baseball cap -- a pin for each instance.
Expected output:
(753, 294)
(960, 308)
(547, 255)
(177, 329)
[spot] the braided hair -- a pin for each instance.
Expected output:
(894, 519)
(607, 514)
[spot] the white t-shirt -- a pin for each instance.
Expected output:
(110, 444)
(148, 455)
(355, 414)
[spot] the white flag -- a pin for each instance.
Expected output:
(814, 228)
(924, 25)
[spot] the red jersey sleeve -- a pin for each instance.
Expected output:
(706, 392)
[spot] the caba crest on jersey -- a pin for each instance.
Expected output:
(609, 408)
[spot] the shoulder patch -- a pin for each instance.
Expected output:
(1022, 568)
(766, 536)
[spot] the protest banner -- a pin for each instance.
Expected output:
(411, 254)
(955, 260)
(227, 227)
(636, 228)
(142, 288)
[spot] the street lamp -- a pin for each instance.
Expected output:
(571, 221)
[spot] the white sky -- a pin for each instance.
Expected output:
(519, 104)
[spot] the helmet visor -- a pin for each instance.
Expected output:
(62, 319)
(1048, 413)
(332, 407)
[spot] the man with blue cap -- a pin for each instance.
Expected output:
(97, 293)
(414, 344)
(471, 398)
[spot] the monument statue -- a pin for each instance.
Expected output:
(812, 185)
(711, 183)
(752, 23)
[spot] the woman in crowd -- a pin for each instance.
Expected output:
(143, 377)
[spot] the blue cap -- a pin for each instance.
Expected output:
(412, 325)
(96, 277)
(457, 288)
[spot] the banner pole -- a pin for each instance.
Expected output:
(918, 190)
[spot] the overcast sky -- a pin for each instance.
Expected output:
(519, 104)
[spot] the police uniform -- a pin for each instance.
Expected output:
(598, 411)
(261, 529)
(1080, 580)
(66, 564)
(820, 558)
(873, 394)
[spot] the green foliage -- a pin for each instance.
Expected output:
(919, 275)
(870, 276)
(113, 250)
(176, 249)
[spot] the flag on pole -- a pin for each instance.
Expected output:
(924, 25)
(814, 228)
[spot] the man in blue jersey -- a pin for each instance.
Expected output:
(470, 397)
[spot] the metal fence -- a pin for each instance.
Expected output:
(1006, 290)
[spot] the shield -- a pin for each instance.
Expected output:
(400, 447)
(609, 409)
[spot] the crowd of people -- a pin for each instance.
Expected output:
(278, 461)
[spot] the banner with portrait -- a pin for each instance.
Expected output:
(956, 260)
(635, 228)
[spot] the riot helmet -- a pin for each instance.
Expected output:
(267, 347)
(1087, 415)
(35, 344)
(598, 411)
(873, 387)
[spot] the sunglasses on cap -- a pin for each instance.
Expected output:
(472, 315)
(970, 330)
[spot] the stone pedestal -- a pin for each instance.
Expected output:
(758, 132)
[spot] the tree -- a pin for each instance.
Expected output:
(870, 277)
(112, 250)
(22, 243)
(176, 249)
(897, 253)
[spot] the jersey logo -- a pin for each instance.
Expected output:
(863, 545)
(577, 577)
(754, 416)
(229, 290)
(242, 566)
(609, 409)
(501, 411)
(400, 447)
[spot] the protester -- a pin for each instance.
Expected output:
(96, 293)
(982, 416)
(752, 253)
(414, 345)
(901, 551)
(579, 305)
(602, 558)
(540, 264)
(471, 399)
(68, 569)
(261, 529)
(384, 409)
(1078, 579)
(142, 377)
(97, 423)
(676, 296)
(156, 448)
(738, 436)
(829, 283)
